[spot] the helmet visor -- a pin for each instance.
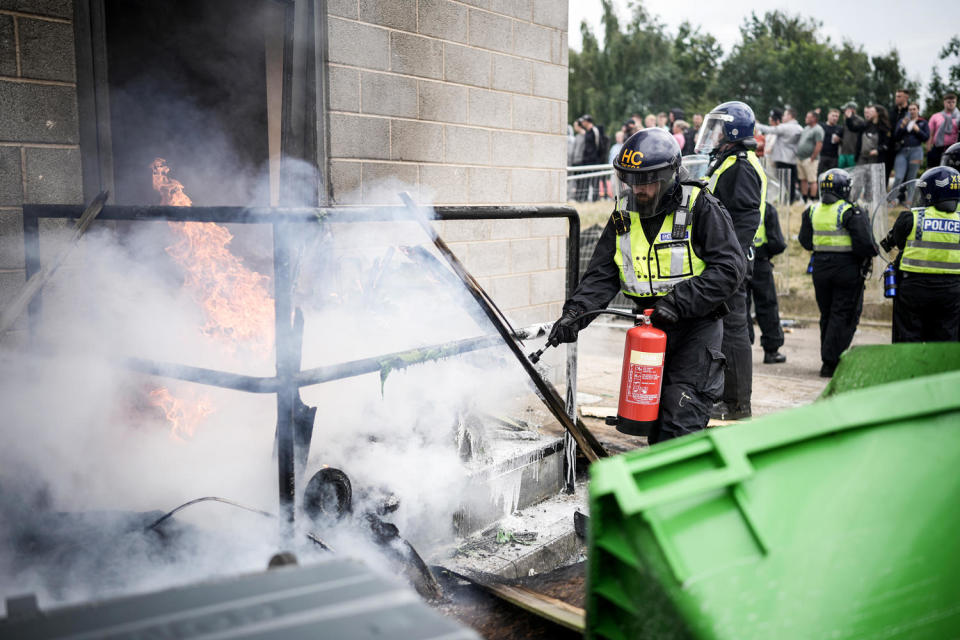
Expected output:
(711, 134)
(642, 198)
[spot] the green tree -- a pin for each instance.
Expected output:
(889, 75)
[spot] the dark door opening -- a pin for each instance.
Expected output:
(198, 83)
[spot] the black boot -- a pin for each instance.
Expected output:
(773, 357)
(826, 371)
(723, 411)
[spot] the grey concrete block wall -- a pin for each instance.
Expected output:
(466, 101)
(39, 151)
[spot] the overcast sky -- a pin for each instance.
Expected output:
(878, 26)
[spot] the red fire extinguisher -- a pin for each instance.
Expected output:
(640, 378)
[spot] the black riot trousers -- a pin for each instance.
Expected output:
(926, 309)
(738, 379)
(762, 291)
(692, 378)
(839, 291)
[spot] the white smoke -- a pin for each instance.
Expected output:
(86, 462)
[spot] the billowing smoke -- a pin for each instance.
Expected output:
(89, 457)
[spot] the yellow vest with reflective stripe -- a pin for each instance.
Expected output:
(760, 236)
(933, 245)
(828, 234)
(648, 270)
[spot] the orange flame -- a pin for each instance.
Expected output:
(182, 415)
(234, 299)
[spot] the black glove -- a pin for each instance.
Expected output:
(565, 329)
(664, 313)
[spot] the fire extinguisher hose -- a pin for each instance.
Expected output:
(636, 317)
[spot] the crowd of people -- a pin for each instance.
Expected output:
(693, 252)
(899, 137)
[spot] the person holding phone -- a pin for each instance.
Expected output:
(909, 135)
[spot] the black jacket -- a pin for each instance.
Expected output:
(738, 189)
(775, 244)
(855, 221)
(713, 241)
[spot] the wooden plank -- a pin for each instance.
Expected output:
(544, 606)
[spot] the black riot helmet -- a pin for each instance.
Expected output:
(647, 166)
(951, 157)
(834, 185)
(940, 187)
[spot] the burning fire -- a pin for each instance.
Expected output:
(234, 299)
(183, 415)
(235, 303)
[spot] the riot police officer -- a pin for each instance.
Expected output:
(669, 246)
(737, 179)
(761, 289)
(951, 157)
(839, 235)
(927, 304)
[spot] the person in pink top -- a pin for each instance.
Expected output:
(943, 130)
(679, 129)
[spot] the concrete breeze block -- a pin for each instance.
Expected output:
(443, 102)
(489, 258)
(465, 65)
(551, 13)
(517, 8)
(550, 81)
(530, 185)
(38, 113)
(388, 95)
(466, 145)
(547, 286)
(443, 185)
(442, 19)
(51, 8)
(359, 137)
(343, 9)
(11, 179)
(54, 176)
(512, 74)
(511, 149)
(8, 47)
(11, 240)
(531, 41)
(415, 55)
(532, 254)
(46, 50)
(489, 108)
(345, 180)
(510, 229)
(511, 292)
(358, 44)
(382, 181)
(344, 89)
(396, 15)
(535, 114)
(416, 141)
(491, 31)
(548, 151)
(488, 186)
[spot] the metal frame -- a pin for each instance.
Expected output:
(289, 378)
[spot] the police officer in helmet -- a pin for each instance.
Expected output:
(951, 157)
(838, 233)
(669, 246)
(737, 179)
(927, 305)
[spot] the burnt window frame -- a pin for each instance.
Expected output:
(304, 102)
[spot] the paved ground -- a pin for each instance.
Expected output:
(775, 387)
